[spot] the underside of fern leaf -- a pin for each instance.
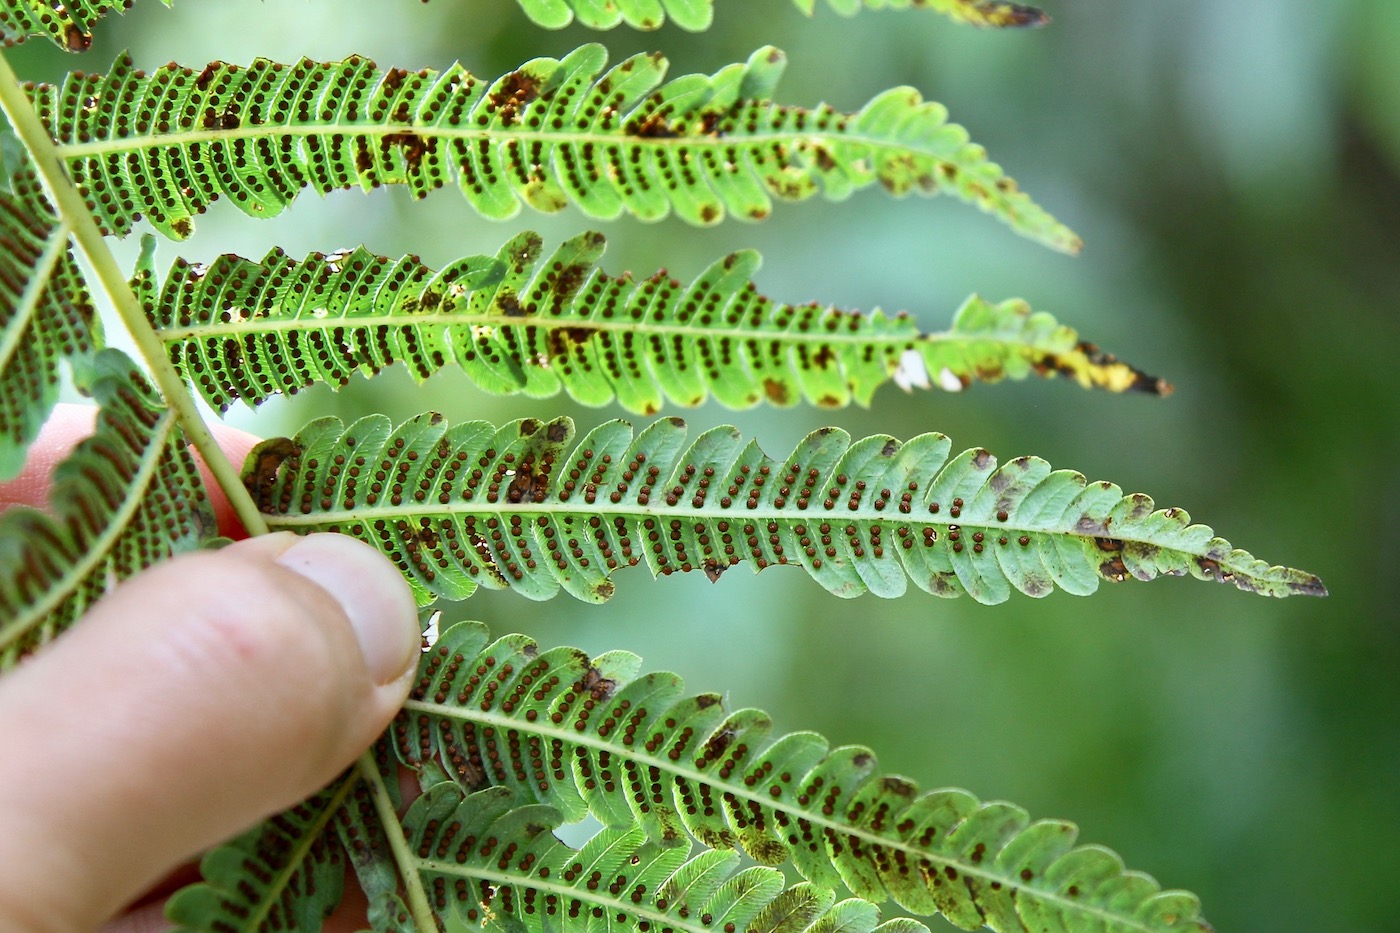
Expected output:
(67, 22)
(591, 736)
(287, 873)
(522, 507)
(525, 321)
(553, 133)
(493, 864)
(125, 498)
(46, 314)
(697, 15)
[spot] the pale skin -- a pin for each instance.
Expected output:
(193, 701)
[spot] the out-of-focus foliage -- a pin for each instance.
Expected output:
(1234, 169)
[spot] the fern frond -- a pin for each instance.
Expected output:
(527, 321)
(67, 22)
(128, 496)
(553, 133)
(515, 507)
(491, 863)
(696, 15)
(46, 314)
(287, 873)
(590, 736)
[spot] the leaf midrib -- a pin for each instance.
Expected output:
(308, 321)
(735, 514)
(666, 765)
(186, 138)
(545, 885)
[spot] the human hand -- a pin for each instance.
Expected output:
(194, 700)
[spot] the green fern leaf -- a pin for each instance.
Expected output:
(67, 22)
(286, 874)
(126, 497)
(46, 315)
(526, 321)
(590, 736)
(515, 507)
(553, 133)
(696, 15)
(491, 863)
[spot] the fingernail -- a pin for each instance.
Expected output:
(374, 596)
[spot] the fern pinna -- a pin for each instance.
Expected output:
(509, 741)
(70, 24)
(526, 507)
(550, 134)
(524, 321)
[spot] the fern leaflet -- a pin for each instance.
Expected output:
(525, 321)
(590, 736)
(696, 15)
(287, 873)
(125, 498)
(515, 507)
(553, 133)
(69, 24)
(493, 864)
(46, 314)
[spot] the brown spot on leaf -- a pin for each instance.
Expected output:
(264, 462)
(411, 145)
(76, 40)
(714, 569)
(570, 278)
(653, 127)
(1114, 569)
(528, 486)
(597, 685)
(517, 90)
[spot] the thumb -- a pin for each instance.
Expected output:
(195, 699)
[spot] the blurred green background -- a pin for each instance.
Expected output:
(1235, 171)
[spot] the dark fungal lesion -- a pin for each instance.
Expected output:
(263, 465)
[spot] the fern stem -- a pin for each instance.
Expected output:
(74, 212)
(423, 917)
